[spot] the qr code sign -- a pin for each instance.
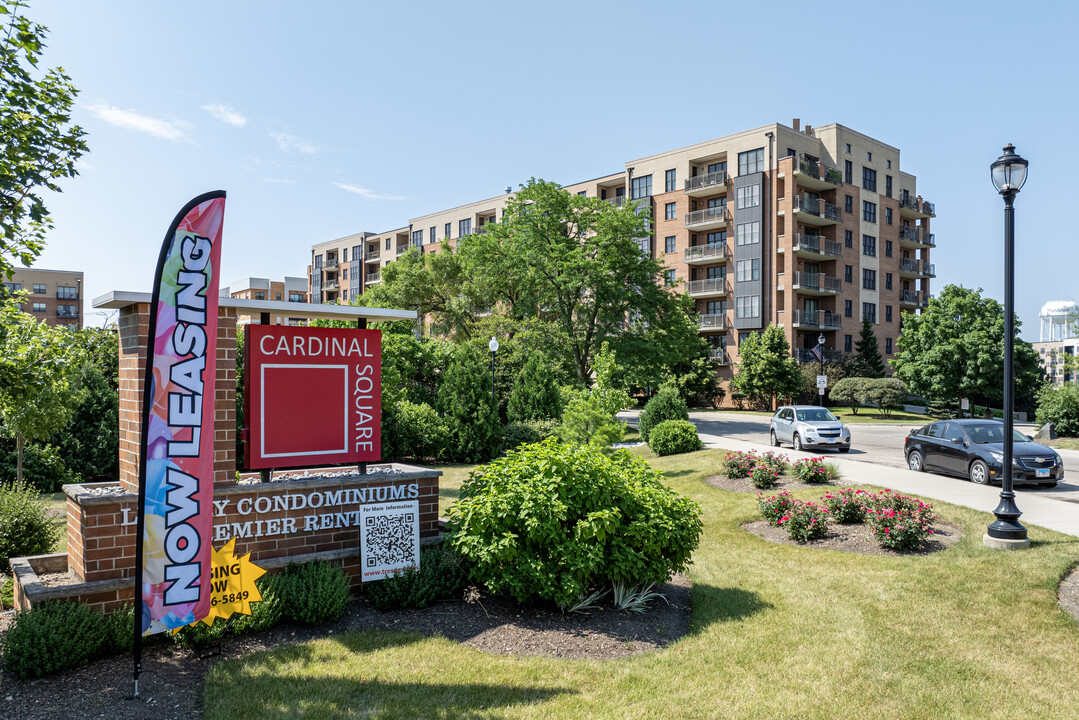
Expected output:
(389, 538)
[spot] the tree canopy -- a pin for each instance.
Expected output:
(767, 371)
(867, 352)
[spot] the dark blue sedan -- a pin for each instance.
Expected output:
(974, 449)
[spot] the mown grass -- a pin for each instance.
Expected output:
(1065, 443)
(865, 415)
(778, 632)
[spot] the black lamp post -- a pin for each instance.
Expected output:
(820, 344)
(1009, 173)
(493, 347)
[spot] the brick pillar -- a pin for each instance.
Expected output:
(134, 326)
(225, 399)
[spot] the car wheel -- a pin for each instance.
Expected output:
(915, 461)
(773, 440)
(797, 442)
(979, 473)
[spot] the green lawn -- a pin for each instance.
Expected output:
(778, 632)
(865, 415)
(1065, 443)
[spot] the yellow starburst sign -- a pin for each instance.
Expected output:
(232, 583)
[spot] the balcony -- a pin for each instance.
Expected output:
(804, 356)
(67, 293)
(916, 237)
(910, 267)
(715, 287)
(912, 298)
(819, 319)
(704, 254)
(710, 184)
(711, 322)
(816, 247)
(816, 175)
(814, 211)
(817, 284)
(719, 356)
(913, 207)
(617, 200)
(402, 249)
(373, 278)
(66, 311)
(330, 264)
(329, 285)
(707, 219)
(372, 255)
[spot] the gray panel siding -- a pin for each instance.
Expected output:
(747, 252)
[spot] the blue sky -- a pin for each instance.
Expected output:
(323, 119)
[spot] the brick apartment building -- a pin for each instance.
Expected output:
(291, 289)
(55, 296)
(810, 229)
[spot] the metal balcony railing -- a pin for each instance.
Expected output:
(63, 311)
(329, 264)
(702, 287)
(818, 319)
(817, 281)
(804, 356)
(817, 207)
(818, 244)
(373, 255)
(719, 356)
(329, 285)
(813, 168)
(699, 217)
(373, 278)
(716, 250)
(908, 201)
(617, 200)
(702, 182)
(67, 293)
(714, 321)
(912, 297)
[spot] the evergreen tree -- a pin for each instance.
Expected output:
(466, 402)
(867, 352)
(535, 395)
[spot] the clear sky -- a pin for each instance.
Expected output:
(321, 119)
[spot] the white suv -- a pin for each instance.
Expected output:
(808, 426)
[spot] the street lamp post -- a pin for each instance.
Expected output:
(493, 347)
(820, 344)
(1009, 173)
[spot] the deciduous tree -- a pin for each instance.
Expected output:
(767, 371)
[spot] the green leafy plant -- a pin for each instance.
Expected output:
(635, 598)
(199, 636)
(550, 521)
(814, 471)
(264, 614)
(846, 505)
(518, 433)
(535, 394)
(805, 521)
(774, 460)
(467, 405)
(422, 431)
(591, 601)
(672, 437)
(586, 422)
(25, 526)
(774, 507)
(667, 404)
(739, 464)
(442, 575)
(313, 593)
(52, 637)
(898, 521)
(764, 475)
(1060, 406)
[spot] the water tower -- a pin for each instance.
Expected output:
(1055, 317)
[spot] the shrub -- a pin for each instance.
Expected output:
(775, 460)
(466, 403)
(886, 393)
(52, 637)
(199, 636)
(43, 467)
(313, 593)
(585, 422)
(666, 405)
(814, 471)
(849, 391)
(442, 575)
(1060, 406)
(518, 433)
(25, 526)
(764, 476)
(899, 522)
(549, 521)
(265, 613)
(805, 521)
(739, 464)
(535, 395)
(846, 505)
(774, 507)
(422, 432)
(117, 631)
(672, 437)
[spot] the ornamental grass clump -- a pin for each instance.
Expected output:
(805, 521)
(739, 464)
(774, 507)
(899, 522)
(814, 471)
(764, 476)
(846, 506)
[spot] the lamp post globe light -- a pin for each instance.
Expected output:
(820, 342)
(1009, 173)
(493, 347)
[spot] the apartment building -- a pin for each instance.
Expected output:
(811, 229)
(1058, 340)
(291, 289)
(55, 296)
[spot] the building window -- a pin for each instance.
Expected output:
(888, 284)
(747, 233)
(848, 204)
(668, 243)
(848, 238)
(582, 193)
(277, 296)
(446, 234)
(749, 196)
(848, 170)
(717, 238)
(434, 238)
(67, 293)
(260, 296)
(717, 273)
(887, 248)
(670, 211)
(344, 273)
(848, 147)
(39, 307)
(848, 273)
(641, 187)
(888, 314)
(387, 243)
(719, 167)
(670, 278)
(344, 255)
(869, 312)
(747, 270)
(417, 238)
(869, 279)
(295, 297)
(40, 289)
(868, 156)
(751, 161)
(747, 307)
(888, 344)
(869, 245)
(888, 182)
(869, 211)
(848, 308)
(464, 227)
(848, 343)
(888, 216)
(13, 287)
(889, 164)
(670, 180)
(869, 179)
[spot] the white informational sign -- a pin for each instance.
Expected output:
(820, 391)
(389, 539)
(965, 404)
(822, 382)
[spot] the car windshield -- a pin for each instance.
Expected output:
(992, 433)
(815, 415)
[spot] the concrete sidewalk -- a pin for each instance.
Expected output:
(1037, 509)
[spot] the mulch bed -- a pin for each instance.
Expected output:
(746, 485)
(172, 679)
(1068, 593)
(857, 538)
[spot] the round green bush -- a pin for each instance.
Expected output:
(672, 437)
(25, 527)
(667, 404)
(313, 593)
(535, 394)
(519, 433)
(52, 637)
(442, 575)
(1060, 406)
(422, 431)
(550, 521)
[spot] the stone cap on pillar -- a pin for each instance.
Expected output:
(118, 299)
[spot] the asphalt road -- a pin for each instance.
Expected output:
(880, 444)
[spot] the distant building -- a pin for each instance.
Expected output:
(1058, 339)
(55, 296)
(292, 289)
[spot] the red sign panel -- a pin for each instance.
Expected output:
(313, 396)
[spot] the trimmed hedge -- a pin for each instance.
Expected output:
(667, 404)
(672, 437)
